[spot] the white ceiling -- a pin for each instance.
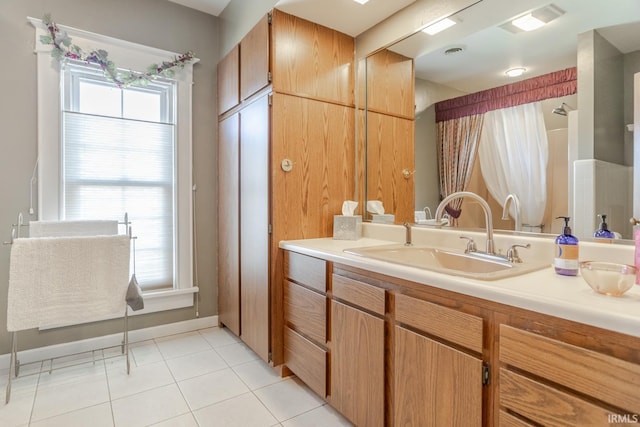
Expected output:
(212, 7)
(488, 49)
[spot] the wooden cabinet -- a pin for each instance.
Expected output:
(436, 384)
(548, 381)
(390, 135)
(254, 59)
(229, 80)
(357, 351)
(401, 353)
(305, 318)
(317, 137)
(229, 223)
(298, 109)
(312, 61)
(390, 84)
(390, 151)
(254, 225)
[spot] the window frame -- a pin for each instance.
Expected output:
(133, 56)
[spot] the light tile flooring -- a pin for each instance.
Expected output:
(203, 378)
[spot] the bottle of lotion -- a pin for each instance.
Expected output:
(566, 251)
(603, 234)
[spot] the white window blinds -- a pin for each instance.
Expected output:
(119, 155)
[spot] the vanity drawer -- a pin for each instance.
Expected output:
(508, 420)
(601, 376)
(306, 360)
(309, 271)
(523, 395)
(359, 293)
(452, 325)
(305, 311)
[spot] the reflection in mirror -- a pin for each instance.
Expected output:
(590, 151)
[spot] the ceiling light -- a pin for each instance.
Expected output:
(528, 22)
(534, 19)
(515, 72)
(361, 1)
(441, 25)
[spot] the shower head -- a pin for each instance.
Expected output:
(561, 110)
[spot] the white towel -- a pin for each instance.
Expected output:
(56, 281)
(72, 228)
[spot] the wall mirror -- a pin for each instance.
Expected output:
(473, 55)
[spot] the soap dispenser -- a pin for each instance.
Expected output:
(603, 233)
(566, 251)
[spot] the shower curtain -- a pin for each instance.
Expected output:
(457, 148)
(513, 155)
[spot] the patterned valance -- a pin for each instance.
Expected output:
(552, 85)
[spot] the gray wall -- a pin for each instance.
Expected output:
(160, 24)
(427, 178)
(600, 101)
(631, 67)
(608, 108)
(238, 18)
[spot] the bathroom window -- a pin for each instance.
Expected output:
(104, 151)
(118, 155)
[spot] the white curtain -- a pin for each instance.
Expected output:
(513, 154)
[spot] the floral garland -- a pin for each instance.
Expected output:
(64, 49)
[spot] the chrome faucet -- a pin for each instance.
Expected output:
(407, 240)
(485, 207)
(516, 207)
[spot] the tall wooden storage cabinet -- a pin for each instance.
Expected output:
(293, 168)
(390, 129)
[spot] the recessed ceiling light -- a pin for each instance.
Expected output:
(534, 19)
(515, 72)
(361, 1)
(528, 22)
(441, 25)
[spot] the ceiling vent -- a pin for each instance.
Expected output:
(544, 14)
(454, 50)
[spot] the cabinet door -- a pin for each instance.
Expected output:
(357, 365)
(390, 84)
(229, 224)
(435, 385)
(318, 139)
(229, 80)
(254, 59)
(311, 60)
(390, 150)
(254, 225)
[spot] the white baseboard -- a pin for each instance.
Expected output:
(64, 349)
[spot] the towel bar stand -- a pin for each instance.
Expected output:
(14, 362)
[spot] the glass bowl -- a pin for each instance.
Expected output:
(608, 278)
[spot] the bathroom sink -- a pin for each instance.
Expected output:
(459, 264)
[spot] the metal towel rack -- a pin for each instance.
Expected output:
(14, 363)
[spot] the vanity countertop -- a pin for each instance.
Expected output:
(542, 291)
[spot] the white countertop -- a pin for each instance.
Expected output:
(542, 291)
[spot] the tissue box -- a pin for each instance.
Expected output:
(347, 227)
(384, 218)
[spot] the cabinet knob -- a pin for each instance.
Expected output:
(406, 173)
(286, 165)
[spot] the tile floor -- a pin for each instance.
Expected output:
(203, 378)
